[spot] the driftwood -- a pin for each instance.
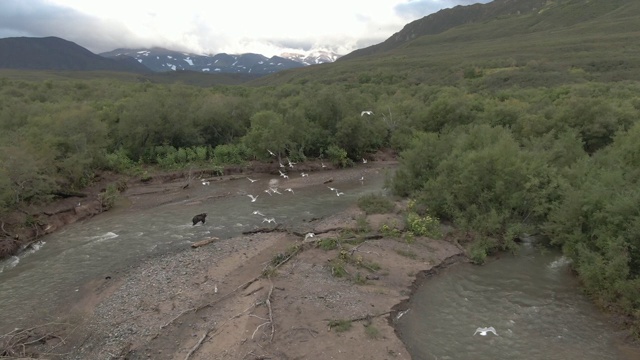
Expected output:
(204, 242)
(68, 194)
(60, 210)
(277, 228)
(328, 181)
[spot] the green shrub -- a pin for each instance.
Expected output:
(328, 243)
(230, 154)
(424, 225)
(375, 204)
(340, 325)
(338, 156)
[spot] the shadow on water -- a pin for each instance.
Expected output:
(34, 283)
(531, 299)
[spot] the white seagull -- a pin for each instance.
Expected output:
(291, 163)
(332, 189)
(339, 193)
(364, 161)
(275, 191)
(303, 174)
(253, 198)
(289, 189)
(268, 191)
(281, 173)
(272, 220)
(256, 212)
(366, 112)
(483, 331)
(271, 152)
(323, 165)
(252, 180)
(309, 235)
(205, 182)
(281, 164)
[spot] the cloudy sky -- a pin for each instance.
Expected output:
(211, 27)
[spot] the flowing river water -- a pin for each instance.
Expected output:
(531, 299)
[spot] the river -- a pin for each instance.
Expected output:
(531, 300)
(35, 283)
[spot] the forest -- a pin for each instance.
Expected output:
(495, 136)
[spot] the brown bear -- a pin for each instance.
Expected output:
(198, 218)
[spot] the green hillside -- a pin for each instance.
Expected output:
(566, 42)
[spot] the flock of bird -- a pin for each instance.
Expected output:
(274, 188)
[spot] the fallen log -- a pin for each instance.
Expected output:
(204, 242)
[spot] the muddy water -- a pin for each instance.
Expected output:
(531, 300)
(34, 283)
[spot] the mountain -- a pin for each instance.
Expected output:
(447, 19)
(161, 60)
(53, 53)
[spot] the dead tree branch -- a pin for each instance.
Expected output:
(193, 349)
(367, 317)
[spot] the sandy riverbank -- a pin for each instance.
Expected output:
(217, 302)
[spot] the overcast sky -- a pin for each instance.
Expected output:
(211, 27)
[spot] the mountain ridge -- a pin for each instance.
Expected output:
(54, 53)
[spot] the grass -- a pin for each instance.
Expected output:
(407, 253)
(371, 331)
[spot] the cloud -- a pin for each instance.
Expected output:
(38, 18)
(416, 9)
(257, 26)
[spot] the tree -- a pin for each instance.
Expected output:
(268, 132)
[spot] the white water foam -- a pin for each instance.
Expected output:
(10, 263)
(559, 263)
(103, 237)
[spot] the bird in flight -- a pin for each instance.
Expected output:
(271, 152)
(289, 189)
(323, 165)
(338, 193)
(331, 188)
(364, 161)
(366, 112)
(253, 198)
(309, 235)
(252, 180)
(281, 173)
(272, 220)
(268, 191)
(484, 330)
(275, 191)
(205, 182)
(256, 212)
(303, 174)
